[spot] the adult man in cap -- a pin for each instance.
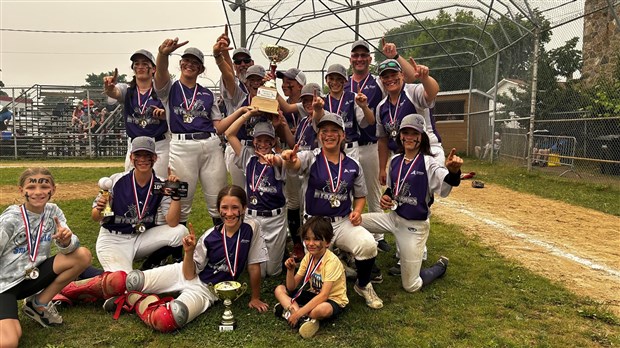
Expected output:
(371, 86)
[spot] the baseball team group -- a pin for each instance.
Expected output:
(368, 142)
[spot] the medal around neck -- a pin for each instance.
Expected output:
(228, 291)
(32, 273)
(105, 184)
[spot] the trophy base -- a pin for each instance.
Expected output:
(265, 100)
(228, 327)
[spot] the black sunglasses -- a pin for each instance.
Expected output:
(243, 60)
(389, 65)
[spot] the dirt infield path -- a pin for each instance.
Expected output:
(577, 247)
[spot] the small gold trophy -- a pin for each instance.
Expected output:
(266, 96)
(105, 184)
(228, 291)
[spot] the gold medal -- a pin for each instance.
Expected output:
(253, 200)
(394, 133)
(334, 202)
(187, 118)
(143, 123)
(140, 228)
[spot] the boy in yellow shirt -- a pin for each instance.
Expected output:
(326, 296)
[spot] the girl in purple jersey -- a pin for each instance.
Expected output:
(264, 183)
(221, 254)
(28, 269)
(143, 111)
(413, 177)
(195, 121)
(333, 186)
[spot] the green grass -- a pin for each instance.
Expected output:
(10, 176)
(484, 300)
(604, 198)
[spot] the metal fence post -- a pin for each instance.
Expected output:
(533, 99)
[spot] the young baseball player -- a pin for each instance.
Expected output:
(195, 152)
(143, 111)
(352, 107)
(264, 186)
(326, 296)
(29, 271)
(333, 186)
(221, 254)
(143, 220)
(414, 176)
(362, 80)
(305, 139)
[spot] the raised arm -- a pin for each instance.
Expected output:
(228, 76)
(109, 86)
(162, 76)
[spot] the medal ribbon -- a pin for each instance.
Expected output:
(141, 106)
(33, 245)
(329, 172)
(135, 195)
(393, 117)
(307, 276)
(233, 267)
(303, 130)
(329, 99)
(363, 84)
(253, 183)
(400, 180)
(188, 107)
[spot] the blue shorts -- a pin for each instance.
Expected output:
(28, 287)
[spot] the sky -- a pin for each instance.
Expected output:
(28, 58)
(66, 59)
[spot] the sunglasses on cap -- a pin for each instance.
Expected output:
(243, 60)
(389, 65)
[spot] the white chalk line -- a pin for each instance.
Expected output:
(515, 233)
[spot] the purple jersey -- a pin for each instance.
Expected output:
(373, 91)
(127, 212)
(346, 108)
(414, 183)
(192, 110)
(305, 135)
(244, 247)
(345, 183)
(138, 111)
(410, 101)
(263, 182)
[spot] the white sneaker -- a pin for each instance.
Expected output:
(309, 328)
(47, 317)
(369, 294)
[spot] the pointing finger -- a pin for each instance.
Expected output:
(57, 221)
(115, 76)
(225, 29)
(452, 153)
(413, 63)
(191, 229)
(295, 149)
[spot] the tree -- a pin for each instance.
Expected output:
(2, 93)
(96, 80)
(462, 37)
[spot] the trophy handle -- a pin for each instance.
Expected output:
(242, 290)
(211, 288)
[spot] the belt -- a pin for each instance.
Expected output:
(157, 138)
(246, 142)
(265, 213)
(364, 143)
(119, 232)
(351, 144)
(331, 218)
(192, 136)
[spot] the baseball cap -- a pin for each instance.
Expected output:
(241, 50)
(145, 53)
(255, 69)
(389, 64)
(309, 89)
(293, 74)
(333, 118)
(414, 121)
(143, 144)
(337, 69)
(264, 128)
(193, 51)
(360, 43)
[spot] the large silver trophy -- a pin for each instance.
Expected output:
(266, 96)
(228, 291)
